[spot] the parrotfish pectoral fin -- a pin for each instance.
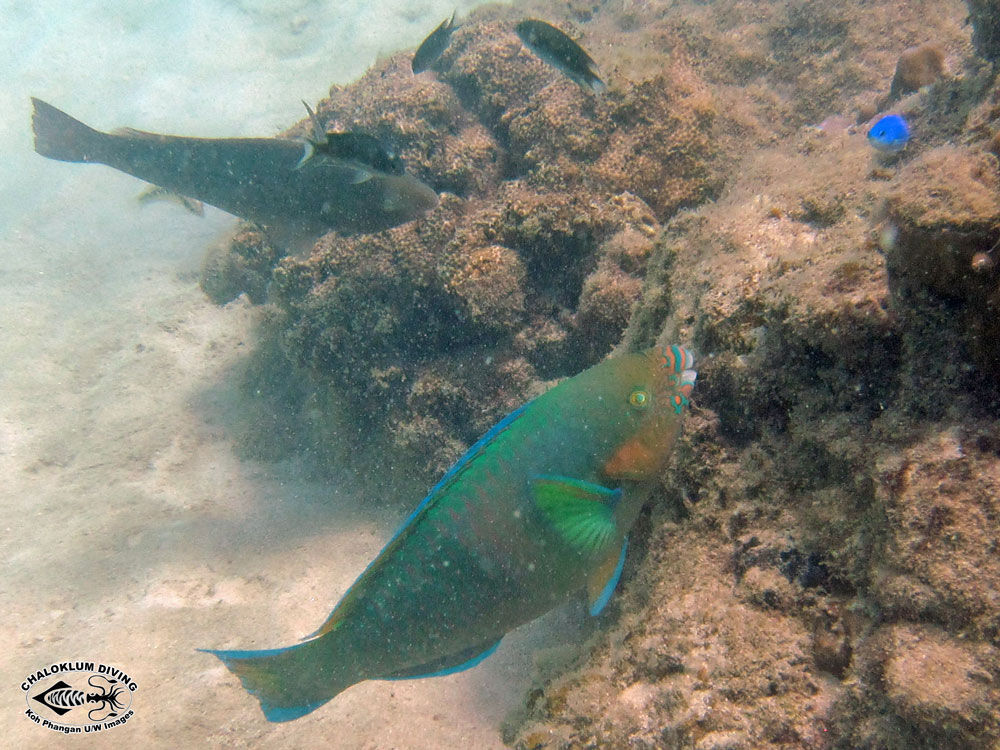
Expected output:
(602, 582)
(581, 512)
(289, 682)
(465, 659)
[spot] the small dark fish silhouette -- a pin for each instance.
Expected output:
(362, 149)
(431, 48)
(556, 48)
(253, 178)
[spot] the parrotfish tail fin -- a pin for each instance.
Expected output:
(59, 136)
(289, 682)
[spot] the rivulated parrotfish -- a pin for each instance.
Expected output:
(433, 46)
(253, 178)
(556, 48)
(890, 133)
(536, 511)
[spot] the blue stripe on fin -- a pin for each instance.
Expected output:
(446, 665)
(495, 430)
(282, 713)
(609, 588)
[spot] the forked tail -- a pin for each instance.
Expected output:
(289, 682)
(59, 136)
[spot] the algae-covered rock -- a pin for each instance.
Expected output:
(985, 18)
(243, 264)
(917, 67)
(836, 446)
(825, 540)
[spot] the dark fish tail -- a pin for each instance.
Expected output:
(293, 681)
(59, 136)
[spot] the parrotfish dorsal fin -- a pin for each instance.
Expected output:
(602, 582)
(581, 512)
(133, 133)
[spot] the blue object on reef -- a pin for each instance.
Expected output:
(891, 133)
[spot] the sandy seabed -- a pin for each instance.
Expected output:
(133, 531)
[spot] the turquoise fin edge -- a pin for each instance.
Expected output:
(445, 666)
(609, 588)
(276, 714)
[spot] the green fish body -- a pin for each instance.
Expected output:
(535, 512)
(261, 179)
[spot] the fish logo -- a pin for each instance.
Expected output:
(79, 697)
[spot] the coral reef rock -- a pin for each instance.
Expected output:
(820, 568)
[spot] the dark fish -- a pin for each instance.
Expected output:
(431, 48)
(362, 149)
(553, 46)
(253, 178)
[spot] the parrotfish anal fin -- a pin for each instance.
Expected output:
(459, 662)
(581, 512)
(602, 582)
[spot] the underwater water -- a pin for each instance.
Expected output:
(133, 533)
(203, 443)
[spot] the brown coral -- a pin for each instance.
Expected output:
(917, 67)
(490, 282)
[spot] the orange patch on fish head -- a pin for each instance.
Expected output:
(657, 409)
(645, 453)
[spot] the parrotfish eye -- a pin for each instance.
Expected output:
(639, 398)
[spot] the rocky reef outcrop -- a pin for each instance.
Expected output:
(820, 567)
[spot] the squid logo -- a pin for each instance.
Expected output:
(79, 697)
(61, 698)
